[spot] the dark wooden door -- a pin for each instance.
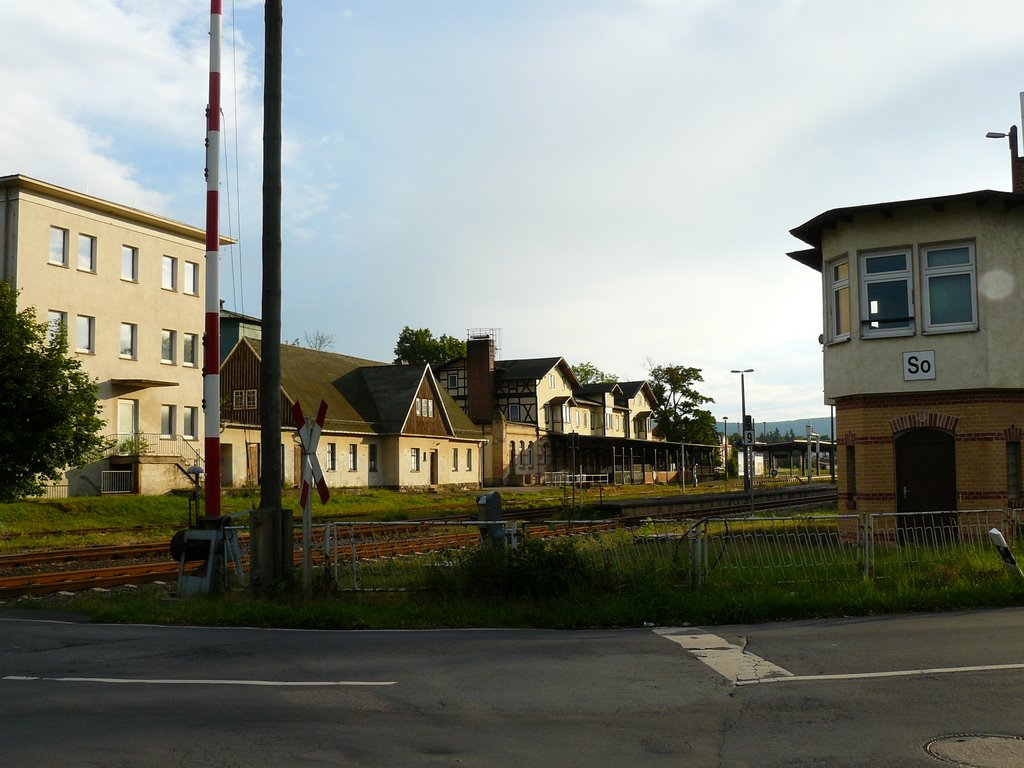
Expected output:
(926, 484)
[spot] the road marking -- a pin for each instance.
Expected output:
(742, 668)
(158, 681)
(730, 661)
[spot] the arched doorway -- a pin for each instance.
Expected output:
(926, 484)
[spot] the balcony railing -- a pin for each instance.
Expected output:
(154, 444)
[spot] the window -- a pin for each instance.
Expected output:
(529, 455)
(522, 454)
(415, 459)
(513, 412)
(565, 414)
(1013, 488)
(577, 417)
(469, 459)
(191, 278)
(418, 407)
(371, 459)
(332, 457)
(58, 246)
(428, 408)
(839, 304)
(453, 381)
(353, 457)
(85, 334)
(190, 424)
(886, 303)
(168, 343)
(129, 263)
(190, 347)
(129, 336)
(948, 284)
(56, 322)
(455, 459)
(87, 253)
(551, 381)
(243, 399)
(167, 418)
(169, 273)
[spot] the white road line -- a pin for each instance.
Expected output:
(730, 661)
(893, 673)
(157, 681)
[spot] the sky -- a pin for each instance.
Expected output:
(610, 181)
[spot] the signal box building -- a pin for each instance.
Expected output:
(922, 315)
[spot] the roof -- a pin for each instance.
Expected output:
(598, 388)
(361, 395)
(630, 389)
(811, 231)
(151, 220)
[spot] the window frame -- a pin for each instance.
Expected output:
(191, 279)
(838, 294)
(415, 456)
(89, 348)
(168, 338)
(353, 457)
(453, 380)
(906, 275)
(171, 262)
(371, 457)
(65, 239)
(190, 415)
(332, 457)
(168, 419)
(89, 255)
(133, 343)
(970, 269)
(516, 412)
(194, 361)
(55, 317)
(130, 252)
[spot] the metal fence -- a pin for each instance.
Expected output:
(801, 547)
(116, 481)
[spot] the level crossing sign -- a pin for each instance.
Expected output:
(309, 435)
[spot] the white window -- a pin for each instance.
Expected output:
(190, 424)
(948, 283)
(56, 321)
(455, 459)
(513, 412)
(191, 278)
(129, 263)
(469, 459)
(332, 457)
(428, 408)
(168, 344)
(577, 417)
(839, 304)
(565, 414)
(415, 459)
(190, 349)
(453, 380)
(418, 407)
(87, 253)
(353, 457)
(887, 306)
(551, 381)
(250, 399)
(169, 273)
(58, 246)
(85, 334)
(129, 340)
(167, 420)
(243, 399)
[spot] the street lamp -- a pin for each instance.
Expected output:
(725, 452)
(748, 481)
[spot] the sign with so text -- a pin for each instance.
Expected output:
(919, 366)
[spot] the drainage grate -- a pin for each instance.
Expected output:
(978, 750)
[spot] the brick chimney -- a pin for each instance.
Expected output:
(481, 401)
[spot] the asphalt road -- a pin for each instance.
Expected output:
(853, 692)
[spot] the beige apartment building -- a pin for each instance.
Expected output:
(128, 286)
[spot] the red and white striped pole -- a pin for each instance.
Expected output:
(211, 348)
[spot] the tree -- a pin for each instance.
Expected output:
(678, 414)
(319, 340)
(419, 347)
(587, 373)
(49, 416)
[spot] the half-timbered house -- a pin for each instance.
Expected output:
(387, 426)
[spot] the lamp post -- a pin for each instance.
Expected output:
(725, 448)
(748, 480)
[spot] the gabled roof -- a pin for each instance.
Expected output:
(631, 388)
(361, 395)
(810, 232)
(533, 369)
(599, 388)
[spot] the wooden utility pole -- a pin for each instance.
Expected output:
(272, 526)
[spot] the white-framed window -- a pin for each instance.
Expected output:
(168, 346)
(190, 349)
(55, 321)
(551, 381)
(565, 414)
(190, 422)
(169, 273)
(418, 407)
(353, 457)
(191, 278)
(243, 399)
(949, 286)
(415, 455)
(371, 458)
(332, 457)
(529, 455)
(85, 334)
(130, 263)
(578, 417)
(129, 341)
(839, 300)
(87, 253)
(522, 454)
(513, 412)
(59, 246)
(453, 380)
(469, 459)
(167, 420)
(428, 408)
(887, 303)
(455, 459)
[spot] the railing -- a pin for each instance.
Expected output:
(116, 481)
(154, 444)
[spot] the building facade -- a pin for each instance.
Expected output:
(542, 424)
(128, 287)
(387, 426)
(921, 313)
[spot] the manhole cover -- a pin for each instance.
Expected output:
(978, 750)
